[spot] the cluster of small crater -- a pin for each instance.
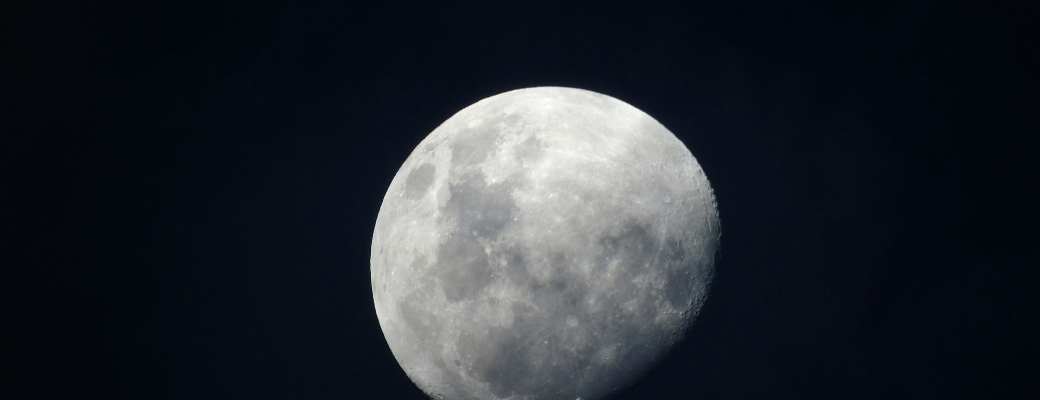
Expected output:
(555, 344)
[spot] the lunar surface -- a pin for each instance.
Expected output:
(543, 243)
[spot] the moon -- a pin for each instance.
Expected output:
(543, 243)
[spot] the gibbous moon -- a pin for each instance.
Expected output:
(543, 243)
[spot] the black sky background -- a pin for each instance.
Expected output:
(188, 191)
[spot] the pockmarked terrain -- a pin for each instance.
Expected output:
(547, 243)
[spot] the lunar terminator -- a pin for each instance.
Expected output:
(543, 243)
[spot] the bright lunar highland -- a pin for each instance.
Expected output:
(543, 243)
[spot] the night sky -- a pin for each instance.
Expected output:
(188, 192)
